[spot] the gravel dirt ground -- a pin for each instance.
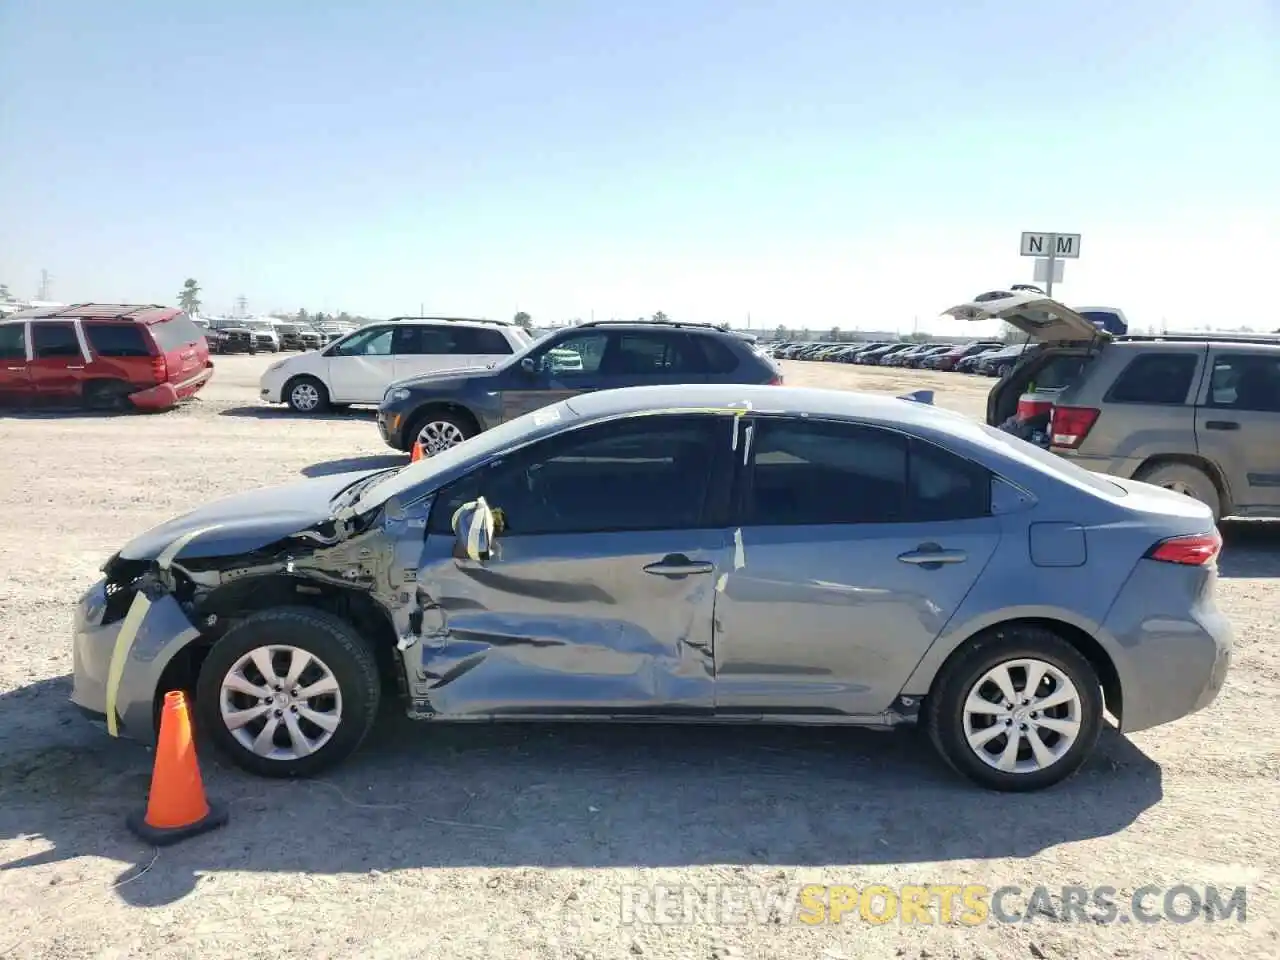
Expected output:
(518, 842)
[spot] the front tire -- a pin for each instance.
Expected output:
(1017, 709)
(438, 430)
(288, 692)
(306, 395)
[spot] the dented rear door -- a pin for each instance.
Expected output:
(598, 597)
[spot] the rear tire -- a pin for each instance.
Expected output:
(306, 395)
(107, 396)
(337, 662)
(1185, 479)
(966, 706)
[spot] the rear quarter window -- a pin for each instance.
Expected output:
(473, 340)
(175, 333)
(719, 357)
(1159, 378)
(116, 339)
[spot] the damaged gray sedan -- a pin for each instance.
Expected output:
(716, 554)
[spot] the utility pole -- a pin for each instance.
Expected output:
(45, 280)
(242, 306)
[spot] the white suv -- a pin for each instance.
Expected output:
(358, 367)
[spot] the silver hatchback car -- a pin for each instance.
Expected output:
(712, 554)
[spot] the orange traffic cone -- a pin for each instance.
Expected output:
(416, 454)
(176, 807)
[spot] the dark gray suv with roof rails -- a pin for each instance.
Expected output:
(1198, 414)
(438, 411)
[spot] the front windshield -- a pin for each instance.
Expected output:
(532, 425)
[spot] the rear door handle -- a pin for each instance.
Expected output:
(932, 555)
(69, 367)
(678, 565)
(1221, 425)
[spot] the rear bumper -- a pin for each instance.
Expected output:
(165, 395)
(1172, 658)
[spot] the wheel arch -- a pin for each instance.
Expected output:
(1204, 465)
(1081, 639)
(236, 600)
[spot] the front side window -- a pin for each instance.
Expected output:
(640, 473)
(55, 340)
(1163, 378)
(116, 340)
(1246, 382)
(808, 472)
(573, 355)
(13, 341)
(374, 342)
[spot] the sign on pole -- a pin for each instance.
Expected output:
(1053, 248)
(1057, 245)
(1043, 267)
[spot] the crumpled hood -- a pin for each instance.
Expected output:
(245, 521)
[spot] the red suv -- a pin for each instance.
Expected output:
(106, 356)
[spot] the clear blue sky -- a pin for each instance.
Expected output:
(812, 163)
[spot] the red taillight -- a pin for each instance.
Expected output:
(776, 381)
(1070, 425)
(159, 369)
(1191, 551)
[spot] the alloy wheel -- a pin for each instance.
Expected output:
(436, 436)
(280, 702)
(305, 396)
(1022, 716)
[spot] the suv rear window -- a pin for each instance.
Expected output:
(1163, 378)
(116, 339)
(175, 333)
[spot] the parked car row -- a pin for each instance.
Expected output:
(268, 334)
(964, 357)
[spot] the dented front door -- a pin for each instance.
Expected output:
(598, 596)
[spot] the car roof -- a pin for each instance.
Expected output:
(760, 398)
(125, 312)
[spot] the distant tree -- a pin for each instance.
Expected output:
(833, 334)
(344, 317)
(4, 292)
(781, 332)
(918, 337)
(522, 319)
(189, 297)
(805, 334)
(659, 317)
(302, 316)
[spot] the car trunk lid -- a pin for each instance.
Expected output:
(1039, 317)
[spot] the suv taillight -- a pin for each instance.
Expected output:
(159, 368)
(776, 381)
(1068, 426)
(1191, 551)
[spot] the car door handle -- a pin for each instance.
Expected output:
(678, 565)
(931, 554)
(15, 368)
(1221, 425)
(70, 367)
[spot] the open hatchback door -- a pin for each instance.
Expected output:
(1039, 317)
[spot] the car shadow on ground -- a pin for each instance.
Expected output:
(496, 796)
(380, 461)
(1250, 548)
(284, 413)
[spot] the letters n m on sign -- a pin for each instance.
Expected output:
(1057, 245)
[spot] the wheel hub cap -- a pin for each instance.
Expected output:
(280, 702)
(439, 436)
(1022, 716)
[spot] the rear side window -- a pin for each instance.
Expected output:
(13, 341)
(116, 340)
(175, 333)
(719, 358)
(1163, 378)
(479, 340)
(813, 472)
(1245, 382)
(639, 353)
(55, 340)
